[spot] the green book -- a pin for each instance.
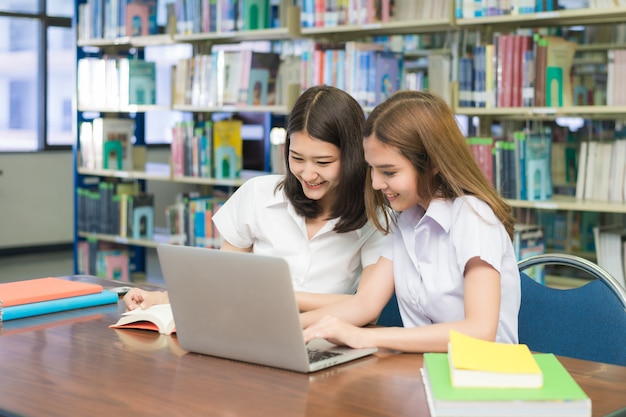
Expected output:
(559, 396)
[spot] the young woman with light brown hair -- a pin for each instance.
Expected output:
(449, 258)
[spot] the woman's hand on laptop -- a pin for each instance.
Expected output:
(337, 332)
(138, 298)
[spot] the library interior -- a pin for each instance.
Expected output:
(128, 124)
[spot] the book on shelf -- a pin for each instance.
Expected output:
(538, 166)
(482, 150)
(529, 240)
(261, 75)
(137, 19)
(112, 140)
(560, 394)
(480, 363)
(610, 244)
(227, 148)
(229, 65)
(439, 76)
(388, 72)
(504, 168)
(151, 11)
(256, 14)
(137, 82)
(157, 318)
(141, 215)
(541, 57)
(358, 56)
(581, 174)
(559, 58)
(618, 172)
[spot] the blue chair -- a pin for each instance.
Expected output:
(588, 322)
(390, 316)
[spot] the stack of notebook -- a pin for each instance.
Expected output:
(480, 378)
(34, 297)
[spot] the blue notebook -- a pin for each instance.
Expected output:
(54, 306)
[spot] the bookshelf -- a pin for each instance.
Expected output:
(86, 176)
(552, 23)
(290, 30)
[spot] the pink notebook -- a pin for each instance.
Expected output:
(43, 289)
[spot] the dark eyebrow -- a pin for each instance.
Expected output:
(315, 157)
(384, 166)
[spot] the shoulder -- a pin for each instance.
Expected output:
(263, 181)
(261, 185)
(470, 205)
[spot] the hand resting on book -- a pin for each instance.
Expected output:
(138, 298)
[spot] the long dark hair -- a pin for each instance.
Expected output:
(331, 115)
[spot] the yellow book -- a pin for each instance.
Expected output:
(227, 148)
(479, 363)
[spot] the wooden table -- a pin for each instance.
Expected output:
(73, 364)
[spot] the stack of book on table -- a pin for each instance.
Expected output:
(38, 296)
(480, 378)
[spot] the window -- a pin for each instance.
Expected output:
(37, 72)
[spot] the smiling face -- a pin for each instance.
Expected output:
(392, 174)
(316, 164)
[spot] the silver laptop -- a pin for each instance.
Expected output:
(242, 306)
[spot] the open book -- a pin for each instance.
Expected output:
(158, 318)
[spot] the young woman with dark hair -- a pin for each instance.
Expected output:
(314, 216)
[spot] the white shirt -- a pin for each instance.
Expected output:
(330, 262)
(429, 252)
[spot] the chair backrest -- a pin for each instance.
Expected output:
(588, 322)
(390, 316)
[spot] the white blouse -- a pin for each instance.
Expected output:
(429, 252)
(255, 215)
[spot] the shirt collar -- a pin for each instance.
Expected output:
(439, 210)
(279, 199)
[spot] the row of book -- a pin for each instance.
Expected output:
(529, 240)
(110, 19)
(119, 209)
(324, 13)
(207, 149)
(517, 70)
(104, 259)
(190, 220)
(226, 77)
(610, 243)
(520, 168)
(107, 143)
(115, 82)
(469, 9)
(367, 71)
(615, 67)
(205, 16)
(116, 208)
(602, 171)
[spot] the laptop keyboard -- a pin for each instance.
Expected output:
(316, 355)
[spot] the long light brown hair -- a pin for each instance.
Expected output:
(423, 128)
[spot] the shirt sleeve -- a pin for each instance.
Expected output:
(235, 220)
(477, 232)
(373, 246)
